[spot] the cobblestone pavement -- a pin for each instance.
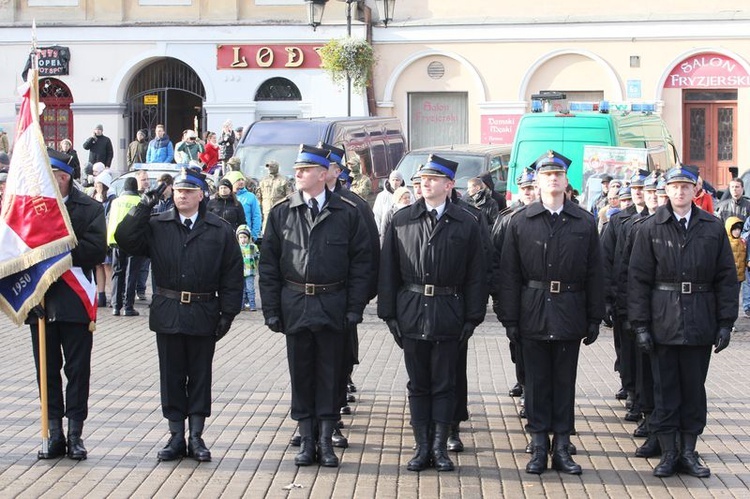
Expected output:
(249, 430)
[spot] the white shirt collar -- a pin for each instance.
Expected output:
(192, 219)
(320, 197)
(685, 216)
(551, 211)
(440, 209)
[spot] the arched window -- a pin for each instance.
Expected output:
(278, 89)
(57, 118)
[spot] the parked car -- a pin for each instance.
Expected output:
(473, 160)
(155, 170)
(379, 143)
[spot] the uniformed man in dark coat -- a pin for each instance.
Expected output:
(197, 270)
(616, 313)
(315, 267)
(551, 298)
(432, 293)
(643, 402)
(336, 156)
(682, 300)
(68, 325)
(526, 183)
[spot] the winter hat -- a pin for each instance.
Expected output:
(226, 183)
(105, 178)
(233, 177)
(244, 229)
(398, 193)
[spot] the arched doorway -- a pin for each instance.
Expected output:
(166, 92)
(57, 118)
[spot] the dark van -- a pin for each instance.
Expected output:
(379, 143)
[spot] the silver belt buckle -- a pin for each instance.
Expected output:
(429, 290)
(185, 297)
(310, 289)
(686, 288)
(554, 287)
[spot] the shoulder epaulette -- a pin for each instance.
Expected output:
(348, 201)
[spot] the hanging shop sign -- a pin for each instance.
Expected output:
(53, 61)
(299, 56)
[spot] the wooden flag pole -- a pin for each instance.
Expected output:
(33, 80)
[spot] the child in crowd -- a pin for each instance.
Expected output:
(250, 256)
(733, 226)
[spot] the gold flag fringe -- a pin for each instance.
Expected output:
(49, 277)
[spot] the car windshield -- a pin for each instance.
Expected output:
(469, 166)
(254, 158)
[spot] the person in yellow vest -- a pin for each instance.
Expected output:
(125, 267)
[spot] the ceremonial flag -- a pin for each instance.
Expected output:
(35, 232)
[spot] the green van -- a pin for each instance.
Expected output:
(568, 133)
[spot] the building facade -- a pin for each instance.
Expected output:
(450, 78)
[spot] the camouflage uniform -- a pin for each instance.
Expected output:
(272, 189)
(360, 183)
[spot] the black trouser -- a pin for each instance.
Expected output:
(125, 269)
(644, 386)
(617, 337)
(185, 363)
(351, 357)
(627, 356)
(316, 361)
(431, 366)
(143, 277)
(72, 342)
(516, 356)
(679, 388)
(461, 412)
(551, 368)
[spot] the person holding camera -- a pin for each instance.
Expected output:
(198, 277)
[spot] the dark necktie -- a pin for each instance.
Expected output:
(683, 224)
(188, 223)
(314, 208)
(433, 218)
(554, 217)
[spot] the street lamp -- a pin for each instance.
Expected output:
(385, 9)
(315, 10)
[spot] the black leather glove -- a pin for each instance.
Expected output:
(466, 332)
(609, 315)
(37, 312)
(395, 331)
(274, 324)
(152, 197)
(513, 333)
(643, 339)
(592, 334)
(722, 339)
(351, 320)
(222, 327)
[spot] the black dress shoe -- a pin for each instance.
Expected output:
(351, 387)
(642, 430)
(339, 440)
(621, 394)
(76, 450)
(350, 398)
(131, 313)
(650, 448)
(56, 442)
(633, 415)
(295, 441)
(516, 391)
(454, 440)
(346, 410)
(522, 413)
(115, 311)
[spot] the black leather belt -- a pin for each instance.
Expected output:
(685, 287)
(315, 289)
(555, 286)
(431, 290)
(185, 296)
